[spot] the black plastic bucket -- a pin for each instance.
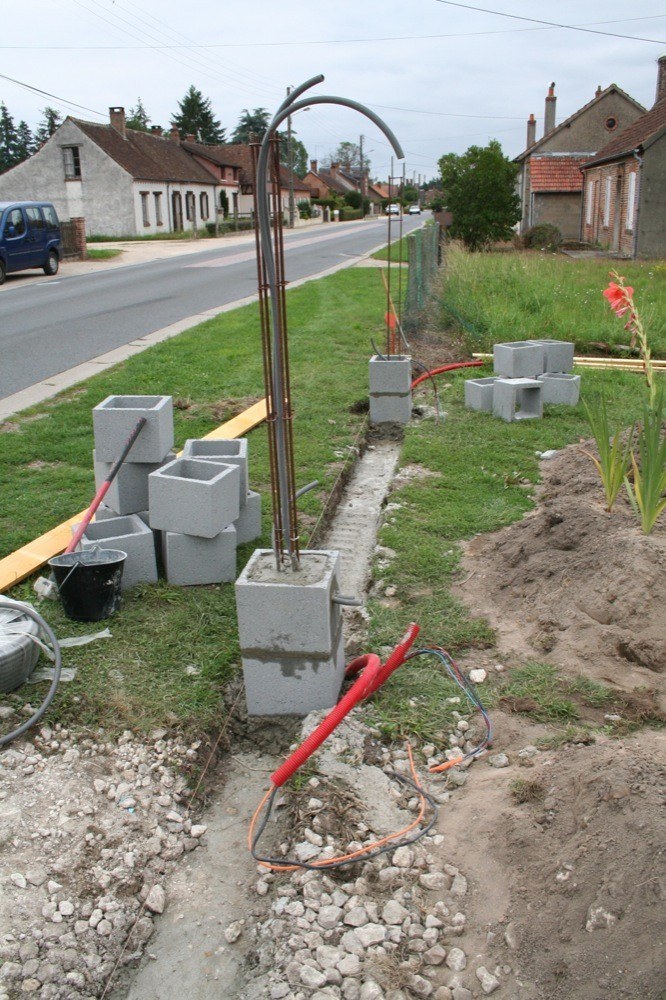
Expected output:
(88, 582)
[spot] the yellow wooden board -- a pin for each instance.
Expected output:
(35, 554)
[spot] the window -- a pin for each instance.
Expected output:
(607, 201)
(145, 211)
(157, 195)
(611, 123)
(190, 205)
(72, 161)
(35, 220)
(589, 202)
(631, 201)
(15, 219)
(50, 217)
(203, 204)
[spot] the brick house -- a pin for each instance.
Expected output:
(122, 181)
(240, 156)
(624, 199)
(224, 168)
(549, 182)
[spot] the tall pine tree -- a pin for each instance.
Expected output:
(8, 139)
(252, 126)
(51, 120)
(137, 118)
(25, 143)
(196, 118)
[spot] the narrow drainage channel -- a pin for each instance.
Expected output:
(188, 954)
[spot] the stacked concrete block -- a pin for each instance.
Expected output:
(130, 535)
(229, 451)
(190, 560)
(194, 497)
(479, 394)
(116, 416)
(390, 389)
(517, 399)
(558, 355)
(248, 523)
(522, 359)
(128, 493)
(560, 388)
(290, 633)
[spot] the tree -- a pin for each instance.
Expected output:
(196, 118)
(8, 139)
(137, 118)
(479, 188)
(51, 121)
(252, 126)
(299, 155)
(348, 155)
(410, 195)
(25, 143)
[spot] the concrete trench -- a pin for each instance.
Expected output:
(188, 954)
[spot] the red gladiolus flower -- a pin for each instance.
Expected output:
(619, 298)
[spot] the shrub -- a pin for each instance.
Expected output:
(304, 209)
(544, 236)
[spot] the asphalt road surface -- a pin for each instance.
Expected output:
(49, 326)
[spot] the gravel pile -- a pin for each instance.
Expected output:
(97, 826)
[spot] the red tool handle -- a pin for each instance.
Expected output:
(102, 491)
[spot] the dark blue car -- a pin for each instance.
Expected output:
(29, 237)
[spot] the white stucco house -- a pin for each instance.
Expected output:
(122, 181)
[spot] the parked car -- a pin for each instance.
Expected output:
(393, 209)
(414, 210)
(29, 237)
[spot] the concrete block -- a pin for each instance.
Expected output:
(193, 497)
(390, 375)
(115, 417)
(560, 388)
(248, 523)
(103, 513)
(189, 560)
(130, 535)
(293, 685)
(479, 393)
(558, 355)
(521, 359)
(517, 398)
(289, 612)
(128, 493)
(231, 451)
(390, 409)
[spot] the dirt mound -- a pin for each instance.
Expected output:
(574, 585)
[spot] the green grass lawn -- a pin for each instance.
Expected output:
(139, 678)
(497, 297)
(95, 254)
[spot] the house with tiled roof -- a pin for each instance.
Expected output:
(549, 179)
(624, 200)
(241, 156)
(122, 181)
(325, 184)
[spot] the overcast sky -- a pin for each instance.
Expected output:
(441, 76)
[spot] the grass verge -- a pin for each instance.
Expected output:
(95, 254)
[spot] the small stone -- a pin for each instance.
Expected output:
(489, 983)
(403, 857)
(329, 917)
(477, 676)
(460, 993)
(18, 880)
(510, 936)
(104, 927)
(312, 978)
(371, 934)
(198, 830)
(528, 751)
(350, 965)
(233, 931)
(459, 886)
(30, 985)
(435, 955)
(498, 760)
(356, 917)
(371, 991)
(156, 899)
(456, 959)
(598, 918)
(433, 880)
(394, 912)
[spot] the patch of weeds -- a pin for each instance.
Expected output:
(536, 690)
(591, 692)
(580, 735)
(527, 790)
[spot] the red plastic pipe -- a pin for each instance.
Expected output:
(446, 368)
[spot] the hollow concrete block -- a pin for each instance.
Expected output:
(193, 497)
(116, 416)
(560, 388)
(230, 451)
(479, 393)
(390, 409)
(293, 685)
(558, 355)
(520, 359)
(130, 535)
(391, 374)
(517, 399)
(248, 522)
(128, 493)
(190, 560)
(290, 611)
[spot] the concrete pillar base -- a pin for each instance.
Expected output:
(390, 389)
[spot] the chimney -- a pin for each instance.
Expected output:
(661, 80)
(335, 169)
(313, 166)
(190, 138)
(117, 120)
(174, 134)
(156, 130)
(549, 116)
(531, 130)
(597, 92)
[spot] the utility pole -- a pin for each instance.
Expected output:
(290, 162)
(363, 178)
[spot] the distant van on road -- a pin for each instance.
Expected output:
(29, 237)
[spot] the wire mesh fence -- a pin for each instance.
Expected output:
(423, 260)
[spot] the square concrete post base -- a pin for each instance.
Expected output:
(390, 389)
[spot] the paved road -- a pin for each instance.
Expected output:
(51, 325)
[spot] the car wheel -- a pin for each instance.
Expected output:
(52, 263)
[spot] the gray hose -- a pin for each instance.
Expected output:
(57, 667)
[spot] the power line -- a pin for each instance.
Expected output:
(448, 114)
(552, 24)
(45, 93)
